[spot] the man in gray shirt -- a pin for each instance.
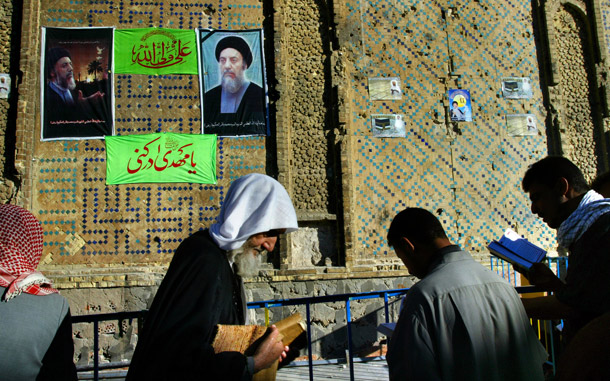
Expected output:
(461, 321)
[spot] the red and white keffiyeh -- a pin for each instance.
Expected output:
(20, 252)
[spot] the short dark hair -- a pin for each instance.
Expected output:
(598, 183)
(54, 55)
(549, 170)
(415, 224)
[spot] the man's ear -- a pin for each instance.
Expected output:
(562, 186)
(406, 245)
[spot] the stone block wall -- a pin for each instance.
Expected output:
(9, 56)
(329, 324)
(107, 247)
(346, 184)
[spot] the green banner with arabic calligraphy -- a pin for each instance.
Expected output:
(161, 158)
(155, 51)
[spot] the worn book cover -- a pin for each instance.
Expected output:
(246, 338)
(517, 250)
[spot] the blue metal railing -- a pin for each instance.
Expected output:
(507, 271)
(96, 319)
(346, 298)
(307, 301)
(544, 328)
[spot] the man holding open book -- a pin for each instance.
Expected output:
(203, 289)
(560, 195)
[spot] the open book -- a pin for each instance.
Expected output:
(515, 249)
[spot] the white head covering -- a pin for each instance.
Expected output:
(255, 203)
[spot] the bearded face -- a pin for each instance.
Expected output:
(63, 74)
(232, 82)
(248, 259)
(232, 67)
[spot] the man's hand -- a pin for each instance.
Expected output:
(540, 275)
(97, 96)
(270, 350)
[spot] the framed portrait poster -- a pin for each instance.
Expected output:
(233, 85)
(460, 109)
(77, 100)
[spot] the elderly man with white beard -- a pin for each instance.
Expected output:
(203, 288)
(235, 107)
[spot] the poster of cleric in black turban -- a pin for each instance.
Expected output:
(76, 83)
(233, 82)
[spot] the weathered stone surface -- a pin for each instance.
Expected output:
(345, 185)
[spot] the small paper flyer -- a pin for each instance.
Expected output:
(385, 88)
(521, 125)
(516, 88)
(460, 109)
(5, 85)
(388, 126)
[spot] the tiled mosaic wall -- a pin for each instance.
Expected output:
(88, 222)
(467, 173)
(344, 181)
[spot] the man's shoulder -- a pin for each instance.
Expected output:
(199, 247)
(200, 238)
(598, 230)
(458, 269)
(253, 88)
(215, 91)
(52, 94)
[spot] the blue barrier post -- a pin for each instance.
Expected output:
(349, 339)
(96, 348)
(385, 305)
(309, 353)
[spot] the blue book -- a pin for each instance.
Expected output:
(518, 251)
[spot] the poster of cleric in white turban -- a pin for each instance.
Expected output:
(233, 82)
(76, 83)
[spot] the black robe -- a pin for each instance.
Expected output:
(198, 292)
(82, 119)
(249, 119)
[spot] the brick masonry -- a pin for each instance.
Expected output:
(110, 245)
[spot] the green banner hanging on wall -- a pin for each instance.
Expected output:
(161, 158)
(155, 51)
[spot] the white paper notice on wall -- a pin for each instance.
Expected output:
(5, 85)
(388, 126)
(385, 88)
(521, 125)
(516, 88)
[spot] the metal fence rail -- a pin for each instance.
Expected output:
(95, 319)
(267, 304)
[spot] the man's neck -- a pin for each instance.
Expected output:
(230, 101)
(59, 86)
(434, 251)
(571, 205)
